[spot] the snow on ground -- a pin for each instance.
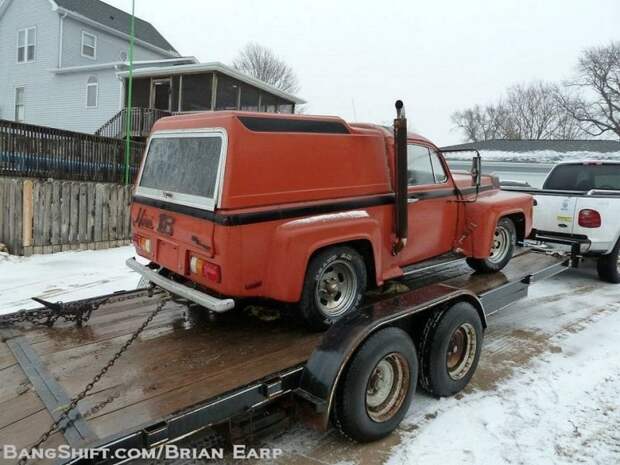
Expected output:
(540, 156)
(63, 276)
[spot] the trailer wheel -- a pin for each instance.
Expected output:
(450, 349)
(502, 248)
(334, 286)
(608, 266)
(377, 387)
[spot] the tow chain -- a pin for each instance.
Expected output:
(78, 312)
(66, 412)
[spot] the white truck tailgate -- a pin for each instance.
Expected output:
(555, 213)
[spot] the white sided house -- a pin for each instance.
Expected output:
(59, 61)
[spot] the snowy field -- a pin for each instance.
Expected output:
(540, 156)
(545, 393)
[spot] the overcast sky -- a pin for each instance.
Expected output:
(354, 58)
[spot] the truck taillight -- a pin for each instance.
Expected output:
(203, 268)
(142, 243)
(589, 218)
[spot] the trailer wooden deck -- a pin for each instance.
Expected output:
(183, 358)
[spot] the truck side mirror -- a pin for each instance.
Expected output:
(476, 170)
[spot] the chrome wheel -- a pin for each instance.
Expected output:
(501, 244)
(336, 288)
(387, 387)
(461, 351)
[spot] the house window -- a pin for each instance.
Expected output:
(26, 41)
(89, 45)
(19, 105)
(92, 92)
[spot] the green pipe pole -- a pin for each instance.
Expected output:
(132, 38)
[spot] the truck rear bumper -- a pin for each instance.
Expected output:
(587, 245)
(196, 296)
(575, 243)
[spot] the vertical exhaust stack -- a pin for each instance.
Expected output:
(400, 159)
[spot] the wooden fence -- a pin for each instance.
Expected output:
(42, 152)
(38, 216)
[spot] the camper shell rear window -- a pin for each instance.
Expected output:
(184, 167)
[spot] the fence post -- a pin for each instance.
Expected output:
(27, 213)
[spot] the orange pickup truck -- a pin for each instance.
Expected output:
(308, 210)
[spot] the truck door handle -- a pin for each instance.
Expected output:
(412, 200)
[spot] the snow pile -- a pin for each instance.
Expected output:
(541, 156)
(63, 276)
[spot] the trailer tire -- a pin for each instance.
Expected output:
(608, 266)
(450, 349)
(504, 241)
(377, 387)
(334, 286)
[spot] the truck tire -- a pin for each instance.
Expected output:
(334, 286)
(377, 387)
(608, 266)
(450, 349)
(504, 240)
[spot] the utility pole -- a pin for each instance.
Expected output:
(129, 93)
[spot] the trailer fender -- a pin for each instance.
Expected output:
(295, 242)
(326, 364)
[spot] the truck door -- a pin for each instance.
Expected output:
(432, 212)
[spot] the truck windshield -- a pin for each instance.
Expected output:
(583, 177)
(182, 164)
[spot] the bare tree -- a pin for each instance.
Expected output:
(592, 98)
(480, 123)
(526, 112)
(533, 113)
(262, 63)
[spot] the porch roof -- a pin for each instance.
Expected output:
(163, 71)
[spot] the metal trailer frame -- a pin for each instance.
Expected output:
(312, 384)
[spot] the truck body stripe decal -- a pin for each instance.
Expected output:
(238, 219)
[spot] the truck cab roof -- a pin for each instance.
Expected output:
(280, 122)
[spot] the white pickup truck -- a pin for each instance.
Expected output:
(581, 201)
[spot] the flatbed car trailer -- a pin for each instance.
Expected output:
(191, 372)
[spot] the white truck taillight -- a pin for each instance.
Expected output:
(589, 218)
(142, 243)
(202, 267)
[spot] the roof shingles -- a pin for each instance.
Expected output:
(114, 18)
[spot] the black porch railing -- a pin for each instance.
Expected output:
(43, 152)
(141, 121)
